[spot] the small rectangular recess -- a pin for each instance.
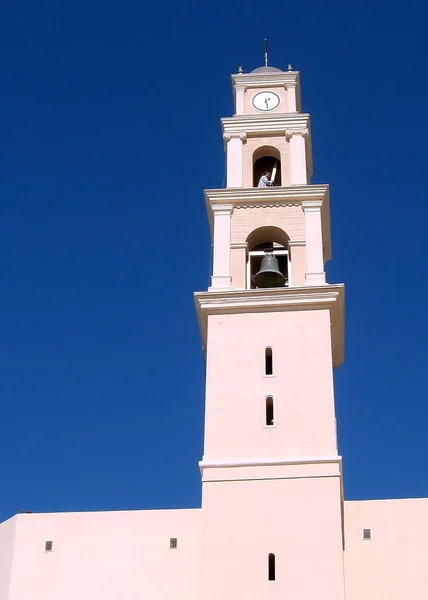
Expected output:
(173, 543)
(367, 534)
(48, 546)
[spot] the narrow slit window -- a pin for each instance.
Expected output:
(367, 534)
(173, 543)
(271, 567)
(48, 546)
(269, 411)
(268, 362)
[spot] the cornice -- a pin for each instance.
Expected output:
(272, 123)
(329, 297)
(255, 80)
(268, 462)
(256, 195)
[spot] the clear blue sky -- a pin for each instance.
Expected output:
(104, 237)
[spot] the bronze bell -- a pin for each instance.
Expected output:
(269, 275)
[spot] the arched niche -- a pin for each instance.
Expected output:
(267, 240)
(267, 158)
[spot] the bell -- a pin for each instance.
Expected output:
(269, 275)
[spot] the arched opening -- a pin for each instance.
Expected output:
(267, 158)
(268, 361)
(271, 567)
(269, 411)
(268, 258)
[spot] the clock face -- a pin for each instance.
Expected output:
(265, 101)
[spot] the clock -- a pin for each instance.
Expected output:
(265, 101)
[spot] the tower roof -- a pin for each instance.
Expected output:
(266, 70)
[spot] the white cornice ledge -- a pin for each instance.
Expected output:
(262, 79)
(256, 195)
(277, 300)
(273, 123)
(269, 462)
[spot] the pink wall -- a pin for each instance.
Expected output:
(297, 519)
(394, 563)
(107, 555)
(302, 386)
(7, 540)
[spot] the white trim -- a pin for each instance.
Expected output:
(268, 462)
(267, 122)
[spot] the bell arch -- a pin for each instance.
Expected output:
(270, 243)
(267, 158)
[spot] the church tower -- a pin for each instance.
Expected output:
(272, 329)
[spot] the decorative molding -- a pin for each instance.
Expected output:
(317, 297)
(311, 205)
(250, 195)
(290, 84)
(269, 462)
(239, 245)
(296, 243)
(270, 205)
(223, 209)
(266, 124)
(256, 80)
(290, 132)
(242, 135)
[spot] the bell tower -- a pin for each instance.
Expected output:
(272, 330)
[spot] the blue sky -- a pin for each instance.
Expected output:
(104, 236)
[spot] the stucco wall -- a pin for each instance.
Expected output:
(394, 563)
(7, 539)
(107, 556)
(302, 386)
(296, 519)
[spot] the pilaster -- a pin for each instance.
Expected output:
(291, 87)
(315, 274)
(221, 277)
(234, 141)
(298, 159)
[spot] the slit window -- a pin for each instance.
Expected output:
(268, 361)
(48, 546)
(271, 567)
(173, 543)
(269, 411)
(367, 534)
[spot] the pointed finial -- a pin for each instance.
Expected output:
(290, 67)
(266, 53)
(240, 69)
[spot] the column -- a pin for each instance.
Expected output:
(221, 246)
(315, 274)
(234, 143)
(297, 141)
(291, 87)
